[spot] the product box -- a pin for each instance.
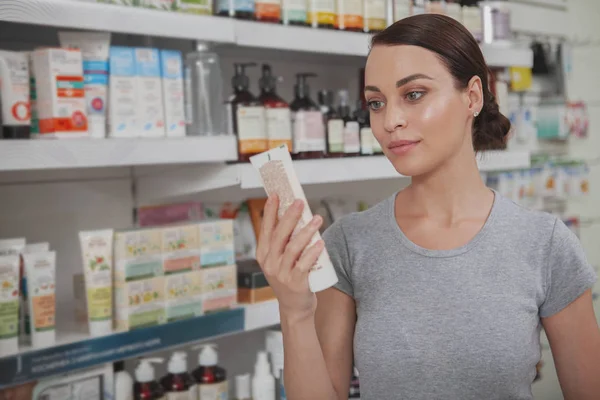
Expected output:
(92, 384)
(122, 93)
(219, 288)
(216, 243)
(183, 295)
(171, 63)
(139, 304)
(252, 283)
(138, 255)
(204, 7)
(180, 249)
(61, 105)
(166, 5)
(150, 110)
(169, 214)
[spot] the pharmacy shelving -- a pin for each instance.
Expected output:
(195, 179)
(220, 30)
(24, 155)
(75, 351)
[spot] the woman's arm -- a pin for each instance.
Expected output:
(318, 349)
(574, 338)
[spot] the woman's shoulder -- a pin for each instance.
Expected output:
(519, 217)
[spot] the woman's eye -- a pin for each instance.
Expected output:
(414, 96)
(375, 105)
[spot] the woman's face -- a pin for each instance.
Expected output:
(418, 115)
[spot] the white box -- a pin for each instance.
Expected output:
(150, 110)
(173, 91)
(61, 103)
(122, 93)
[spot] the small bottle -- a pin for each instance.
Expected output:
(351, 126)
(277, 111)
(354, 386)
(247, 115)
(146, 387)
(123, 382)
(321, 13)
(334, 125)
(349, 15)
(204, 111)
(402, 9)
(263, 382)
(178, 383)
(294, 12)
(366, 135)
(242, 9)
(211, 379)
(242, 387)
(307, 122)
(374, 15)
(268, 11)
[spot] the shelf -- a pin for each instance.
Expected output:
(141, 21)
(23, 155)
(75, 352)
(196, 179)
(105, 17)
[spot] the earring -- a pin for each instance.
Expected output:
(476, 114)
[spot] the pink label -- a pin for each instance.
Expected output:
(181, 264)
(218, 303)
(309, 131)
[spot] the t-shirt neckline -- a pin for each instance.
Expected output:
(410, 245)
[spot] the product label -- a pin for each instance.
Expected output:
(181, 250)
(321, 12)
(151, 120)
(44, 308)
(309, 131)
(352, 137)
(196, 6)
(9, 321)
(191, 394)
(349, 14)
(219, 288)
(268, 9)
(366, 141)
(232, 6)
(15, 97)
(99, 302)
(215, 391)
(279, 127)
(294, 11)
(9, 296)
(138, 254)
(183, 295)
(69, 114)
(122, 119)
(252, 134)
(375, 15)
(173, 92)
(98, 274)
(335, 135)
(140, 304)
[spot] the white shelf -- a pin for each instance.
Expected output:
(86, 153)
(105, 17)
(141, 21)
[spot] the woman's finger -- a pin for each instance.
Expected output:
(285, 227)
(307, 260)
(267, 227)
(299, 242)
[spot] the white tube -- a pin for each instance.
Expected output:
(9, 304)
(94, 48)
(96, 251)
(14, 93)
(25, 317)
(41, 288)
(279, 177)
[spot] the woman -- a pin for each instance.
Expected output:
(444, 287)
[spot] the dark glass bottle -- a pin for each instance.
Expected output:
(351, 127)
(178, 380)
(366, 135)
(307, 122)
(334, 125)
(277, 111)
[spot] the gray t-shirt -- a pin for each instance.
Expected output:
(454, 324)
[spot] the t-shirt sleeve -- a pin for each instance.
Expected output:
(569, 274)
(337, 247)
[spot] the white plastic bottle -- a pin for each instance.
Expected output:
(242, 387)
(263, 382)
(123, 382)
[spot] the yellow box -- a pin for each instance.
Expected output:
(138, 254)
(183, 295)
(139, 303)
(219, 288)
(181, 249)
(216, 243)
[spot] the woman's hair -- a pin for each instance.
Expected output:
(458, 50)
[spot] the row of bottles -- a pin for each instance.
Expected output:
(310, 130)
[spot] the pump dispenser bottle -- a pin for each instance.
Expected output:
(178, 383)
(307, 122)
(277, 111)
(351, 126)
(334, 125)
(123, 382)
(263, 383)
(211, 379)
(146, 387)
(204, 111)
(247, 115)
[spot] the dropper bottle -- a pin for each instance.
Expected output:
(247, 115)
(307, 121)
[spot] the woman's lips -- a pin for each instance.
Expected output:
(401, 147)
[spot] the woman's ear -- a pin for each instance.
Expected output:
(474, 94)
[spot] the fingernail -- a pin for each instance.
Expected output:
(316, 220)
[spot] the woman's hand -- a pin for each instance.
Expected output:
(286, 260)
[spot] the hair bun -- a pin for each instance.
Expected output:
(491, 127)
